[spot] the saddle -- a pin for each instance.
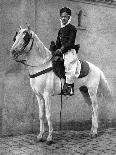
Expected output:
(58, 63)
(84, 69)
(59, 69)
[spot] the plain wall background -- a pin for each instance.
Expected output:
(18, 106)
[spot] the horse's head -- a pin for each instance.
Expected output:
(21, 40)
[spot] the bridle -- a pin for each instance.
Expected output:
(27, 39)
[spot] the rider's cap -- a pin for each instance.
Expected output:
(65, 9)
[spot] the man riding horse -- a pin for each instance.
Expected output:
(29, 50)
(65, 46)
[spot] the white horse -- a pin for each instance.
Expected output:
(45, 83)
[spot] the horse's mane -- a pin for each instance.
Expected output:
(45, 52)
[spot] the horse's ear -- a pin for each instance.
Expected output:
(20, 27)
(28, 27)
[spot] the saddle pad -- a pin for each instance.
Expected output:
(84, 69)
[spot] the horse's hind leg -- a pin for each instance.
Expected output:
(84, 92)
(90, 98)
(93, 96)
(41, 116)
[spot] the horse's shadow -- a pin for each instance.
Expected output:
(76, 132)
(79, 132)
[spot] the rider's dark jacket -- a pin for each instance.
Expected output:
(66, 38)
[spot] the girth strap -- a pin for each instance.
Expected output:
(41, 72)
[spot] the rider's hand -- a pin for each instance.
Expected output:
(58, 52)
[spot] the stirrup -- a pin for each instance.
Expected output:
(71, 91)
(68, 89)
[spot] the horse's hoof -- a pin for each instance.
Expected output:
(49, 142)
(93, 135)
(38, 139)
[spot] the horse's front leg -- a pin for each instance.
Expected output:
(47, 98)
(41, 116)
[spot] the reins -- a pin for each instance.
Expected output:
(23, 61)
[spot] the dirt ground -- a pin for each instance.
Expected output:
(65, 143)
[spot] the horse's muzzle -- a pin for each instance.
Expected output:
(14, 54)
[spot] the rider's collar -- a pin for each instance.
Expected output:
(62, 25)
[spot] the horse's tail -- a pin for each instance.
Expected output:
(104, 88)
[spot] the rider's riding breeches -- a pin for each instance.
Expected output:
(72, 66)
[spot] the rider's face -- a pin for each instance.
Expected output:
(64, 17)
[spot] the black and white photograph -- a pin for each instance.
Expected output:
(57, 77)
